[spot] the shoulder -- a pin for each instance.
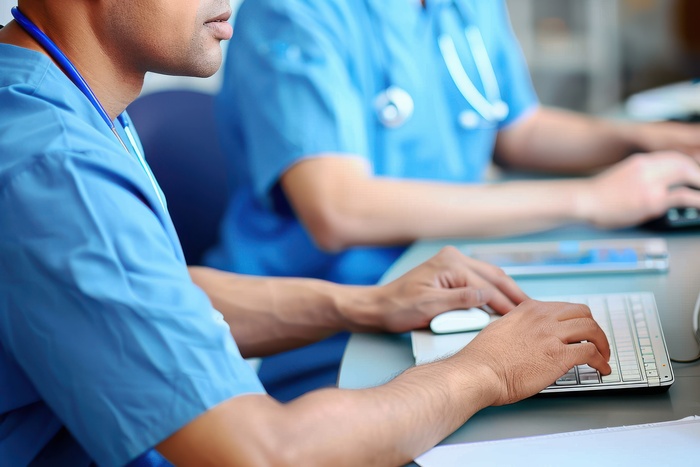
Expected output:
(493, 12)
(276, 15)
(44, 114)
(492, 6)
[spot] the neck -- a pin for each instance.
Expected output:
(113, 85)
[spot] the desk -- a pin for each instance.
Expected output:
(372, 359)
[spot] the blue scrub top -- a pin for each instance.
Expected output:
(301, 77)
(106, 345)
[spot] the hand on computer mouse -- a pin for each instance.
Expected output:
(448, 281)
(638, 189)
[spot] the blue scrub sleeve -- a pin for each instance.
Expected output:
(100, 313)
(301, 100)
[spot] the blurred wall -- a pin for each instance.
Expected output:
(645, 44)
(5, 6)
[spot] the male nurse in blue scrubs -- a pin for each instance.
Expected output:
(355, 127)
(112, 352)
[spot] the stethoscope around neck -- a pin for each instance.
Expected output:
(394, 105)
(74, 75)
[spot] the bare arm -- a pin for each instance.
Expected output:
(342, 204)
(269, 315)
(394, 423)
(560, 141)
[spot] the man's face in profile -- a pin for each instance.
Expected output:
(173, 37)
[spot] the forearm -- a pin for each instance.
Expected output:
(393, 423)
(387, 425)
(559, 141)
(386, 212)
(399, 421)
(342, 205)
(270, 315)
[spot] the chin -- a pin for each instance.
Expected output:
(207, 64)
(200, 68)
(205, 72)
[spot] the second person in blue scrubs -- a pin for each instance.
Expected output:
(324, 189)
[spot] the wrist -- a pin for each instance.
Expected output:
(470, 384)
(582, 194)
(359, 308)
(632, 136)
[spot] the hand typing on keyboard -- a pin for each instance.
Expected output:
(533, 345)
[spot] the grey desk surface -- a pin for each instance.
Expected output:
(372, 359)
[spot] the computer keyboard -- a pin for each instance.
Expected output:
(676, 218)
(639, 357)
(638, 353)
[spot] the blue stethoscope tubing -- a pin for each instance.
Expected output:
(394, 105)
(490, 106)
(74, 75)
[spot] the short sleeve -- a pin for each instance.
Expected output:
(99, 310)
(287, 88)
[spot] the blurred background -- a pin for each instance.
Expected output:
(587, 55)
(590, 54)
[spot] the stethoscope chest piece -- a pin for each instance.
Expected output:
(470, 119)
(394, 106)
(500, 110)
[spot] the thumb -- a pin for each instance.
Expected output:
(464, 297)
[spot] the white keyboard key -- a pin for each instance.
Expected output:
(611, 378)
(589, 378)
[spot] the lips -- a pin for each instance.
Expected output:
(220, 26)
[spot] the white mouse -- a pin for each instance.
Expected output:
(472, 319)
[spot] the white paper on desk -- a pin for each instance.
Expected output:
(658, 444)
(428, 346)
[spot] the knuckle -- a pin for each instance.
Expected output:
(449, 250)
(637, 162)
(584, 310)
(470, 295)
(447, 254)
(499, 272)
(497, 275)
(590, 350)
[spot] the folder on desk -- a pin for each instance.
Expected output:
(626, 445)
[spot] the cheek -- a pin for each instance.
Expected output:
(167, 25)
(165, 42)
(169, 38)
(137, 33)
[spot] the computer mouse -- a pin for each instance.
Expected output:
(676, 218)
(472, 319)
